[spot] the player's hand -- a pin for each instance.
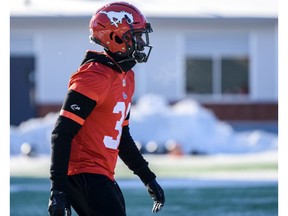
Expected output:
(58, 204)
(157, 194)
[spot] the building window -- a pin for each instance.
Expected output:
(217, 75)
(234, 76)
(199, 75)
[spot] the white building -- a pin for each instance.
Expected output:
(223, 53)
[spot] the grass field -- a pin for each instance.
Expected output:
(29, 197)
(232, 185)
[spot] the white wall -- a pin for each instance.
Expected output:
(59, 48)
(60, 45)
(257, 39)
(265, 67)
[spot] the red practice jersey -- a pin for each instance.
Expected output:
(94, 149)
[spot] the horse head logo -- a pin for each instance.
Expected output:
(117, 17)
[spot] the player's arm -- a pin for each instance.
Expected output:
(131, 156)
(75, 110)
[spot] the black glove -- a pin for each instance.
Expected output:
(58, 204)
(157, 194)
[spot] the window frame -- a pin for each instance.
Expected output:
(217, 94)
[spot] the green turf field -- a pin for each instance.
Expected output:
(184, 197)
(247, 185)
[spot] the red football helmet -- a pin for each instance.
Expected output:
(123, 30)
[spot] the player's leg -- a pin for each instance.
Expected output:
(92, 194)
(77, 194)
(105, 196)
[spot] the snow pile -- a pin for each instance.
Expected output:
(36, 132)
(193, 127)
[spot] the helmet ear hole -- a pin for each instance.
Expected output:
(116, 38)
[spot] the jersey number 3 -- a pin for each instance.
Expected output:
(108, 140)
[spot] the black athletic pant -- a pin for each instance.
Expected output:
(95, 195)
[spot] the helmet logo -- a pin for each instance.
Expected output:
(117, 17)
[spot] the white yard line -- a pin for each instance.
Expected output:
(198, 167)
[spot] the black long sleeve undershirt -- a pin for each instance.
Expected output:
(61, 138)
(131, 156)
(64, 131)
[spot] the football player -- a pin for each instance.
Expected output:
(92, 129)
